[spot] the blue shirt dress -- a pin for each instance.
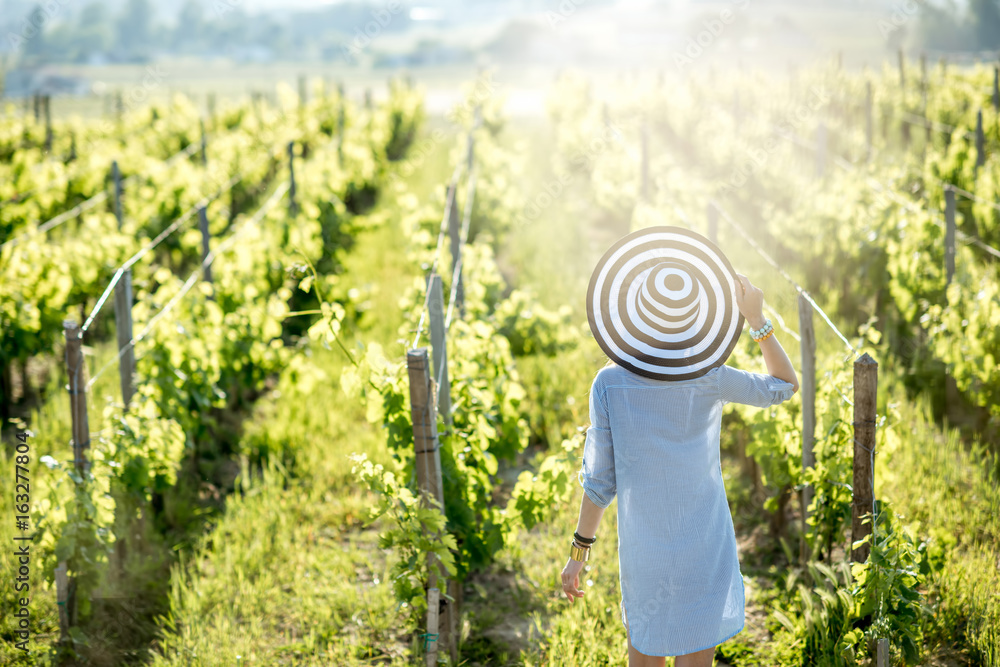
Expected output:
(655, 444)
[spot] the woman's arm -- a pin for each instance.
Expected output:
(597, 476)
(750, 301)
(590, 517)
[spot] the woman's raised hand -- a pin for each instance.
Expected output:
(750, 301)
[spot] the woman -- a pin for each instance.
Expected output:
(656, 303)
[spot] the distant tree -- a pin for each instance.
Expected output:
(95, 14)
(948, 25)
(34, 43)
(190, 30)
(94, 35)
(135, 27)
(985, 18)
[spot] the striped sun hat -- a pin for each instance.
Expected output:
(661, 304)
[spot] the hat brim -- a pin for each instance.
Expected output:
(640, 342)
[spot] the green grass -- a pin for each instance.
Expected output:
(290, 572)
(290, 575)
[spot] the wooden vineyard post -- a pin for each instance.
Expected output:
(923, 110)
(123, 306)
(470, 193)
(865, 388)
(820, 150)
(902, 69)
(424, 416)
(470, 147)
(882, 653)
(950, 231)
(980, 141)
(123, 324)
(62, 590)
(116, 178)
(439, 348)
(454, 225)
(48, 123)
(204, 143)
(808, 351)
(428, 466)
(433, 625)
(292, 206)
(949, 234)
(713, 222)
(81, 436)
(302, 91)
(868, 119)
(205, 242)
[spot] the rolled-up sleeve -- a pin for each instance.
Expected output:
(597, 475)
(757, 389)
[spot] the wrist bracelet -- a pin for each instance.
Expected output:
(762, 338)
(578, 553)
(584, 540)
(763, 332)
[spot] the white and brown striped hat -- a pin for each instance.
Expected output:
(661, 304)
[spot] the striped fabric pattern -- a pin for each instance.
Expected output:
(662, 304)
(654, 444)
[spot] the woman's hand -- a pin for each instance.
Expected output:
(571, 579)
(750, 301)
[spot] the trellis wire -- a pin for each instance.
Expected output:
(784, 274)
(85, 205)
(452, 190)
(190, 282)
(162, 236)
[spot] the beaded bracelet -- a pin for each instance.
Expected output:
(762, 333)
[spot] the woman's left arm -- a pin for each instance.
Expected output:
(590, 517)
(597, 476)
(586, 525)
